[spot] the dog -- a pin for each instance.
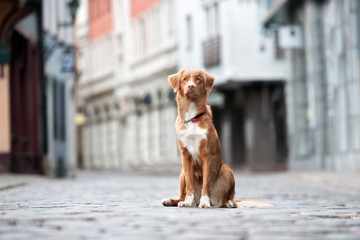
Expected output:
(205, 181)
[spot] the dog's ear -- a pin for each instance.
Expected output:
(209, 82)
(174, 80)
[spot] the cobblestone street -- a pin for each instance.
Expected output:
(115, 205)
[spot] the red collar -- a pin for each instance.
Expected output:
(194, 119)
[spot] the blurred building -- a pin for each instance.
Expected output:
(20, 81)
(36, 87)
(129, 105)
(147, 106)
(98, 41)
(59, 132)
(100, 35)
(127, 50)
(322, 44)
(226, 39)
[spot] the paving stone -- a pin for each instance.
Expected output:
(115, 205)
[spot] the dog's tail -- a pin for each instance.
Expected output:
(251, 203)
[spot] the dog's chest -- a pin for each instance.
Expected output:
(192, 135)
(190, 138)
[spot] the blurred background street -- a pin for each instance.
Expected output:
(87, 137)
(84, 83)
(113, 205)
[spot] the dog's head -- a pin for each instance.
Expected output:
(191, 84)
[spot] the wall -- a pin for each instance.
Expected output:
(5, 119)
(247, 64)
(324, 90)
(241, 38)
(147, 128)
(60, 160)
(100, 17)
(101, 62)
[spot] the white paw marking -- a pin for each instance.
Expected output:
(230, 204)
(189, 202)
(204, 202)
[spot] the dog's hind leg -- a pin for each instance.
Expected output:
(229, 200)
(174, 202)
(223, 190)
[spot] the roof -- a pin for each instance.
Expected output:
(276, 14)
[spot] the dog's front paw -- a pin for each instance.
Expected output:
(189, 202)
(186, 204)
(230, 204)
(204, 202)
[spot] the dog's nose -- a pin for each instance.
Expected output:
(191, 86)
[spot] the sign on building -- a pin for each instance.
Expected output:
(290, 37)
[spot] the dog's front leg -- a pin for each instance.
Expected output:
(189, 180)
(205, 197)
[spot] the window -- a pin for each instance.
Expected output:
(53, 18)
(62, 111)
(212, 20)
(59, 110)
(189, 31)
(142, 38)
(358, 28)
(305, 141)
(156, 29)
(279, 52)
(211, 46)
(55, 112)
(135, 40)
(216, 19)
(171, 17)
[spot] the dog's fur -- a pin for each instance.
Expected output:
(205, 181)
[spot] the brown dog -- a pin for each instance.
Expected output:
(205, 180)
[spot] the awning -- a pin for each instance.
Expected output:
(276, 14)
(4, 54)
(11, 12)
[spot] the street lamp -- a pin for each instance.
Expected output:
(73, 7)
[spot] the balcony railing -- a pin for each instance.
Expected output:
(211, 49)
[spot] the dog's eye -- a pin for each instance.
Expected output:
(197, 79)
(184, 79)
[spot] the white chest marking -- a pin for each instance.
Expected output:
(191, 136)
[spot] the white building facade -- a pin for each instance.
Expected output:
(235, 26)
(59, 74)
(226, 39)
(99, 60)
(147, 106)
(323, 89)
(129, 105)
(123, 91)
